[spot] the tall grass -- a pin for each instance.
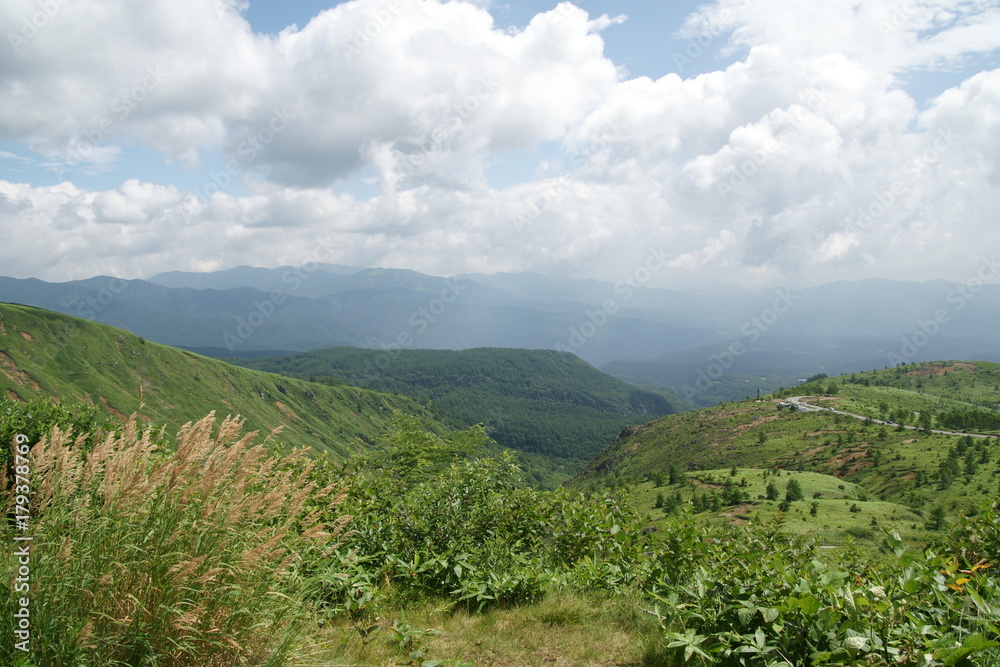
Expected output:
(148, 555)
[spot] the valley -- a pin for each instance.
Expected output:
(872, 431)
(477, 333)
(495, 488)
(554, 409)
(708, 346)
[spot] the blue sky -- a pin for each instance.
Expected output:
(744, 139)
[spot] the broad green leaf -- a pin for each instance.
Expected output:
(809, 605)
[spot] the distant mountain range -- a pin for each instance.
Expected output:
(709, 346)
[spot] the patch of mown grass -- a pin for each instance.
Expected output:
(563, 628)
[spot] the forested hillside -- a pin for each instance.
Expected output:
(546, 403)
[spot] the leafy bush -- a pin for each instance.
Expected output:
(36, 419)
(434, 520)
(978, 537)
(749, 596)
(211, 554)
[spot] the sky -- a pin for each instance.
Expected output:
(739, 143)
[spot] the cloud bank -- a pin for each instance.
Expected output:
(804, 160)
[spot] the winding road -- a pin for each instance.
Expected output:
(802, 406)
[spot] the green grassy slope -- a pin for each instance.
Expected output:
(933, 388)
(899, 466)
(47, 354)
(842, 509)
(555, 407)
(973, 382)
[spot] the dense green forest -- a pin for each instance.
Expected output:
(548, 404)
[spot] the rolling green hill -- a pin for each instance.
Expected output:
(553, 406)
(916, 471)
(47, 354)
(938, 387)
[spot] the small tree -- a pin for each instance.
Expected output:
(772, 491)
(937, 518)
(971, 465)
(672, 503)
(926, 421)
(793, 491)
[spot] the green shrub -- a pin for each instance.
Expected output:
(978, 537)
(747, 596)
(36, 419)
(436, 521)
